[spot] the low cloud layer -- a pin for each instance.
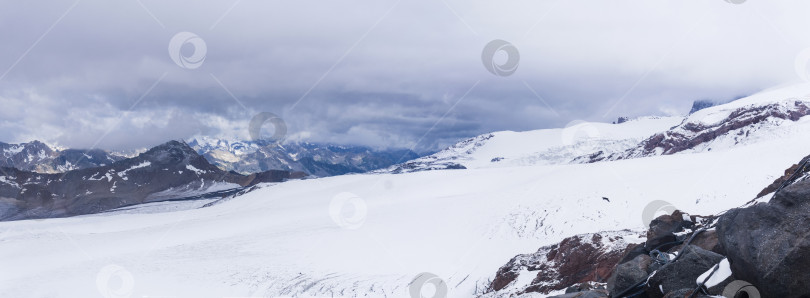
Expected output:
(378, 73)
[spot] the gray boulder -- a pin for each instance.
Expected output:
(683, 273)
(768, 244)
(628, 274)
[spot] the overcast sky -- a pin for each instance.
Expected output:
(383, 73)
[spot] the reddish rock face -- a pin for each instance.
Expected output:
(689, 135)
(577, 259)
(788, 174)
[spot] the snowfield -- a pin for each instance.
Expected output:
(460, 225)
(371, 235)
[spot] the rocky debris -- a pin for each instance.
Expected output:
(761, 250)
(170, 171)
(584, 290)
(662, 229)
(584, 287)
(678, 250)
(575, 260)
(628, 274)
(708, 240)
(767, 244)
(682, 274)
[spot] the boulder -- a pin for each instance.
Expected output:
(662, 230)
(684, 293)
(768, 244)
(628, 274)
(708, 240)
(683, 273)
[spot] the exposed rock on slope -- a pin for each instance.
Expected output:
(577, 259)
(768, 244)
(169, 171)
(699, 130)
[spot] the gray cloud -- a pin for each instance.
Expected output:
(377, 73)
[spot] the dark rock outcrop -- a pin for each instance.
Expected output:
(768, 244)
(662, 229)
(682, 274)
(628, 274)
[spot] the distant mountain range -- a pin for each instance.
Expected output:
(38, 157)
(170, 171)
(243, 157)
(315, 159)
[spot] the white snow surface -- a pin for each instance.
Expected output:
(307, 238)
(281, 240)
(722, 273)
(138, 166)
(195, 170)
(549, 146)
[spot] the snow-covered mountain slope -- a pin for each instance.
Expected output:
(760, 117)
(544, 146)
(39, 157)
(315, 159)
(763, 116)
(295, 239)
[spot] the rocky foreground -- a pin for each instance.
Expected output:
(759, 250)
